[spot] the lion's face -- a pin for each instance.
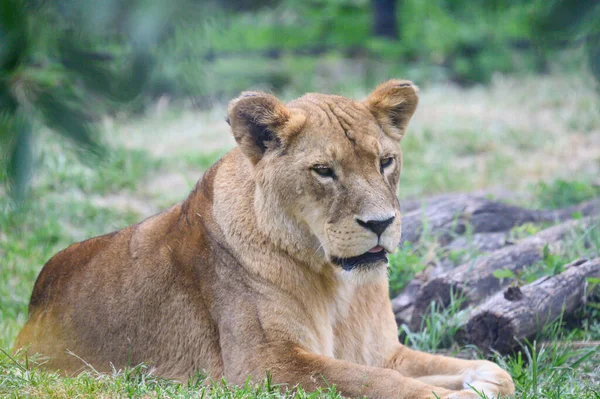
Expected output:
(328, 168)
(339, 177)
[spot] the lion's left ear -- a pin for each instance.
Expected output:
(393, 103)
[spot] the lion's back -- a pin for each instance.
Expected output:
(63, 267)
(119, 299)
(43, 332)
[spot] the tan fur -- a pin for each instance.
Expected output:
(241, 278)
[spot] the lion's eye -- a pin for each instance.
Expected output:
(323, 171)
(385, 162)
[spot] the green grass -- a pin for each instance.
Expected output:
(203, 161)
(562, 193)
(19, 380)
(405, 263)
(555, 370)
(550, 265)
(439, 327)
(118, 170)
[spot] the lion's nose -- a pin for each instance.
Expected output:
(376, 226)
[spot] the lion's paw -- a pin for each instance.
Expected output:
(488, 378)
(464, 394)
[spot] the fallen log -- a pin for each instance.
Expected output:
(481, 242)
(403, 303)
(472, 353)
(410, 205)
(446, 217)
(507, 318)
(497, 194)
(474, 281)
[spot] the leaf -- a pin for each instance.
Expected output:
(577, 215)
(115, 78)
(503, 273)
(593, 282)
(546, 253)
(91, 68)
(61, 115)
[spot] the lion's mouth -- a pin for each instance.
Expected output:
(376, 254)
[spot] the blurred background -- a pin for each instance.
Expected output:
(73, 67)
(111, 110)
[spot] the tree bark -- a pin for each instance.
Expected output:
(496, 194)
(481, 242)
(509, 317)
(474, 281)
(403, 304)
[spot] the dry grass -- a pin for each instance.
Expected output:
(545, 127)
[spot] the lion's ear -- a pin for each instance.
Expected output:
(260, 122)
(393, 103)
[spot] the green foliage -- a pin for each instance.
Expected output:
(560, 21)
(584, 242)
(405, 263)
(504, 273)
(458, 256)
(439, 327)
(290, 46)
(562, 193)
(204, 160)
(65, 62)
(119, 170)
(550, 265)
(525, 230)
(545, 371)
(56, 71)
(553, 263)
(593, 283)
(472, 41)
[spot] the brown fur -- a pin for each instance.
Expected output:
(239, 279)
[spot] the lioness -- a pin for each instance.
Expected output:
(276, 262)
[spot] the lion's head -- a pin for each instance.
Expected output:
(326, 170)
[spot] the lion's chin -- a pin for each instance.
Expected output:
(368, 273)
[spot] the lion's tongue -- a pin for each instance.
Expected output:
(376, 249)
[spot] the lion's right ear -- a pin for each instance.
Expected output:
(393, 103)
(260, 123)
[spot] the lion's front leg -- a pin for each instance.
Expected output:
(452, 373)
(292, 366)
